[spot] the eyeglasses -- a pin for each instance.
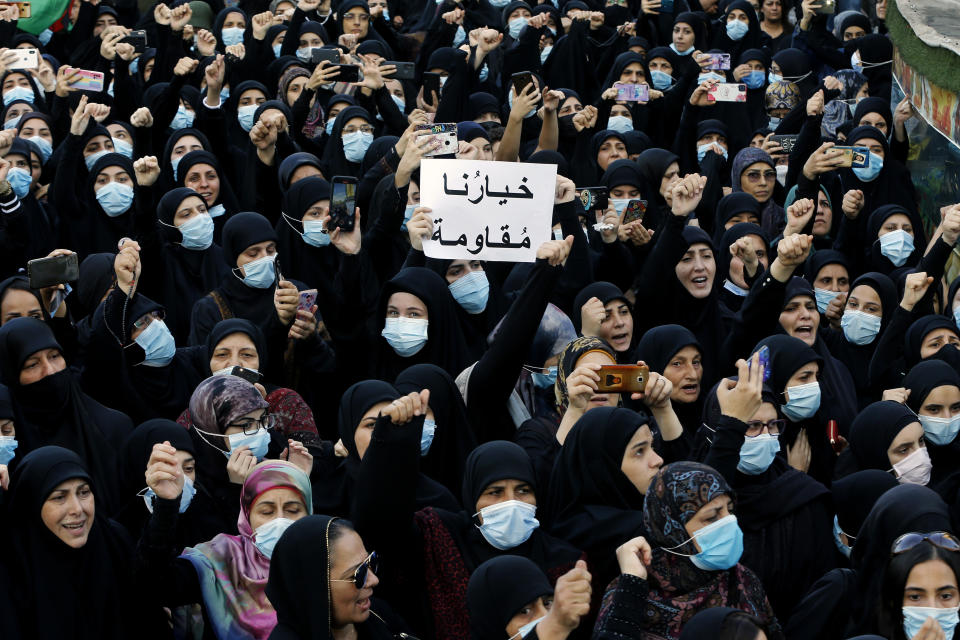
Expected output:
(768, 176)
(252, 425)
(616, 3)
(365, 128)
(359, 579)
(940, 539)
(357, 17)
(774, 427)
(145, 321)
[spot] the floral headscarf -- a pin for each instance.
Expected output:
(675, 496)
(232, 571)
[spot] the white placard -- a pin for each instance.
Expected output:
(486, 210)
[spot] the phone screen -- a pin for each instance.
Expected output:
(342, 202)
(349, 73)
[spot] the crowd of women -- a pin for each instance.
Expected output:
(191, 446)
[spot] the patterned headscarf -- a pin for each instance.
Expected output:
(569, 357)
(782, 95)
(220, 400)
(675, 496)
(233, 573)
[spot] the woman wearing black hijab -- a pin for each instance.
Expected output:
(202, 172)
(673, 352)
(934, 388)
(726, 623)
(733, 209)
(18, 300)
(659, 169)
(736, 273)
(181, 263)
(875, 55)
(793, 65)
(598, 484)
(445, 447)
(735, 39)
(614, 326)
(853, 498)
(828, 283)
(434, 551)
(888, 436)
(52, 410)
(344, 150)
(65, 548)
(868, 311)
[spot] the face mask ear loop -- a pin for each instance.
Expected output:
(200, 433)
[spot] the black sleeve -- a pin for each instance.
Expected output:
(623, 613)
(724, 454)
(887, 367)
(167, 580)
(759, 316)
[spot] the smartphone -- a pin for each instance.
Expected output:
(319, 54)
(25, 11)
(594, 198)
(827, 7)
(520, 81)
(404, 70)
(446, 132)
(764, 355)
(635, 210)
(88, 80)
(47, 272)
(786, 142)
(727, 92)
(431, 85)
(343, 201)
(631, 378)
(632, 92)
(719, 61)
(666, 6)
(250, 375)
(26, 59)
(138, 39)
(350, 73)
(857, 157)
(308, 298)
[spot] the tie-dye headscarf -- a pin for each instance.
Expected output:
(232, 571)
(569, 357)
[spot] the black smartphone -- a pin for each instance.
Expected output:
(786, 142)
(349, 73)
(520, 80)
(431, 85)
(138, 39)
(250, 375)
(827, 7)
(319, 54)
(47, 272)
(343, 202)
(594, 198)
(404, 70)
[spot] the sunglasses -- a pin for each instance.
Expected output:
(359, 578)
(940, 539)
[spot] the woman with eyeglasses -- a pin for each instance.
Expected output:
(227, 575)
(785, 514)
(321, 584)
(233, 431)
(753, 171)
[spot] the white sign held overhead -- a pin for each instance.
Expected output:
(485, 210)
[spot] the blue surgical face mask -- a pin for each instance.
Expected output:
(804, 401)
(12, 123)
(314, 233)
(710, 75)
(870, 173)
(46, 149)
(91, 159)
(174, 163)
(20, 180)
(460, 36)
(260, 273)
(824, 298)
(182, 119)
(426, 436)
(736, 29)
(940, 431)
(45, 36)
(18, 93)
(386, 14)
(837, 540)
(266, 536)
(896, 246)
(754, 79)
(545, 53)
(681, 53)
(703, 148)
(525, 630)
(134, 65)
(186, 495)
(224, 94)
(408, 213)
(8, 445)
(528, 114)
(216, 210)
(914, 617)
(499, 4)
(956, 316)
(620, 204)
(721, 545)
(545, 380)
(772, 123)
(115, 198)
(400, 102)
(661, 80)
(256, 442)
(231, 36)
(620, 123)
(774, 77)
(859, 327)
(735, 290)
(355, 145)
(158, 344)
(406, 336)
(856, 65)
(757, 453)
(197, 232)
(329, 126)
(276, 49)
(305, 53)
(516, 26)
(508, 524)
(484, 73)
(245, 116)
(122, 147)
(471, 291)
